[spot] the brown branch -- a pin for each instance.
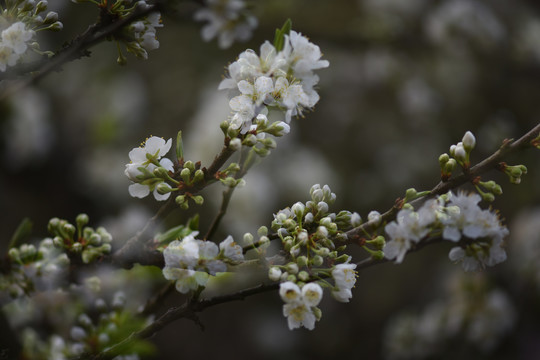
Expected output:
(443, 187)
(77, 48)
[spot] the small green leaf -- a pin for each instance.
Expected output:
(179, 146)
(279, 38)
(24, 229)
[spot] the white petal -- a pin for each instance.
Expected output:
(138, 190)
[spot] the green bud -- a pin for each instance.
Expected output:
(302, 261)
(105, 248)
(250, 140)
(303, 275)
(487, 196)
(180, 199)
(342, 259)
(41, 6)
(262, 152)
(95, 240)
(317, 260)
(269, 143)
(443, 159)
(292, 268)
(377, 255)
(235, 144)
(224, 126)
(163, 188)
(263, 230)
(81, 220)
(198, 199)
(189, 165)
(248, 238)
(51, 17)
(199, 176)
(89, 255)
(450, 166)
(185, 174)
(232, 132)
(88, 232)
(58, 241)
(52, 227)
(76, 247)
(69, 230)
(291, 278)
(161, 172)
(106, 237)
(14, 255)
(56, 26)
(228, 181)
(317, 312)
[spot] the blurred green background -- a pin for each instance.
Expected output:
(406, 80)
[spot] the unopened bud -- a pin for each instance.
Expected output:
(198, 199)
(469, 141)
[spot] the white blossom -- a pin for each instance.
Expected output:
(298, 304)
(231, 249)
(344, 277)
(228, 20)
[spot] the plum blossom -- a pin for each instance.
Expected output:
(149, 156)
(299, 303)
(227, 20)
(281, 79)
(344, 277)
(189, 262)
(231, 250)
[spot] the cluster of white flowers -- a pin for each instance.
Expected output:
(300, 306)
(148, 158)
(229, 20)
(311, 236)
(465, 217)
(19, 22)
(14, 44)
(144, 35)
(190, 261)
(456, 216)
(283, 79)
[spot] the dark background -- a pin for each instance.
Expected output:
(406, 80)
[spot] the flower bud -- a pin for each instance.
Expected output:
(81, 220)
(374, 217)
(185, 174)
(51, 17)
(443, 159)
(292, 268)
(317, 260)
(199, 176)
(298, 209)
(198, 199)
(14, 254)
(303, 275)
(263, 230)
(302, 261)
(469, 141)
(292, 278)
(274, 273)
(95, 240)
(163, 188)
(302, 237)
(235, 144)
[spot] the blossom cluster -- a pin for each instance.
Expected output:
(94, 330)
(228, 20)
(454, 218)
(281, 78)
(19, 22)
(147, 165)
(143, 34)
(90, 243)
(189, 262)
(33, 268)
(311, 236)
